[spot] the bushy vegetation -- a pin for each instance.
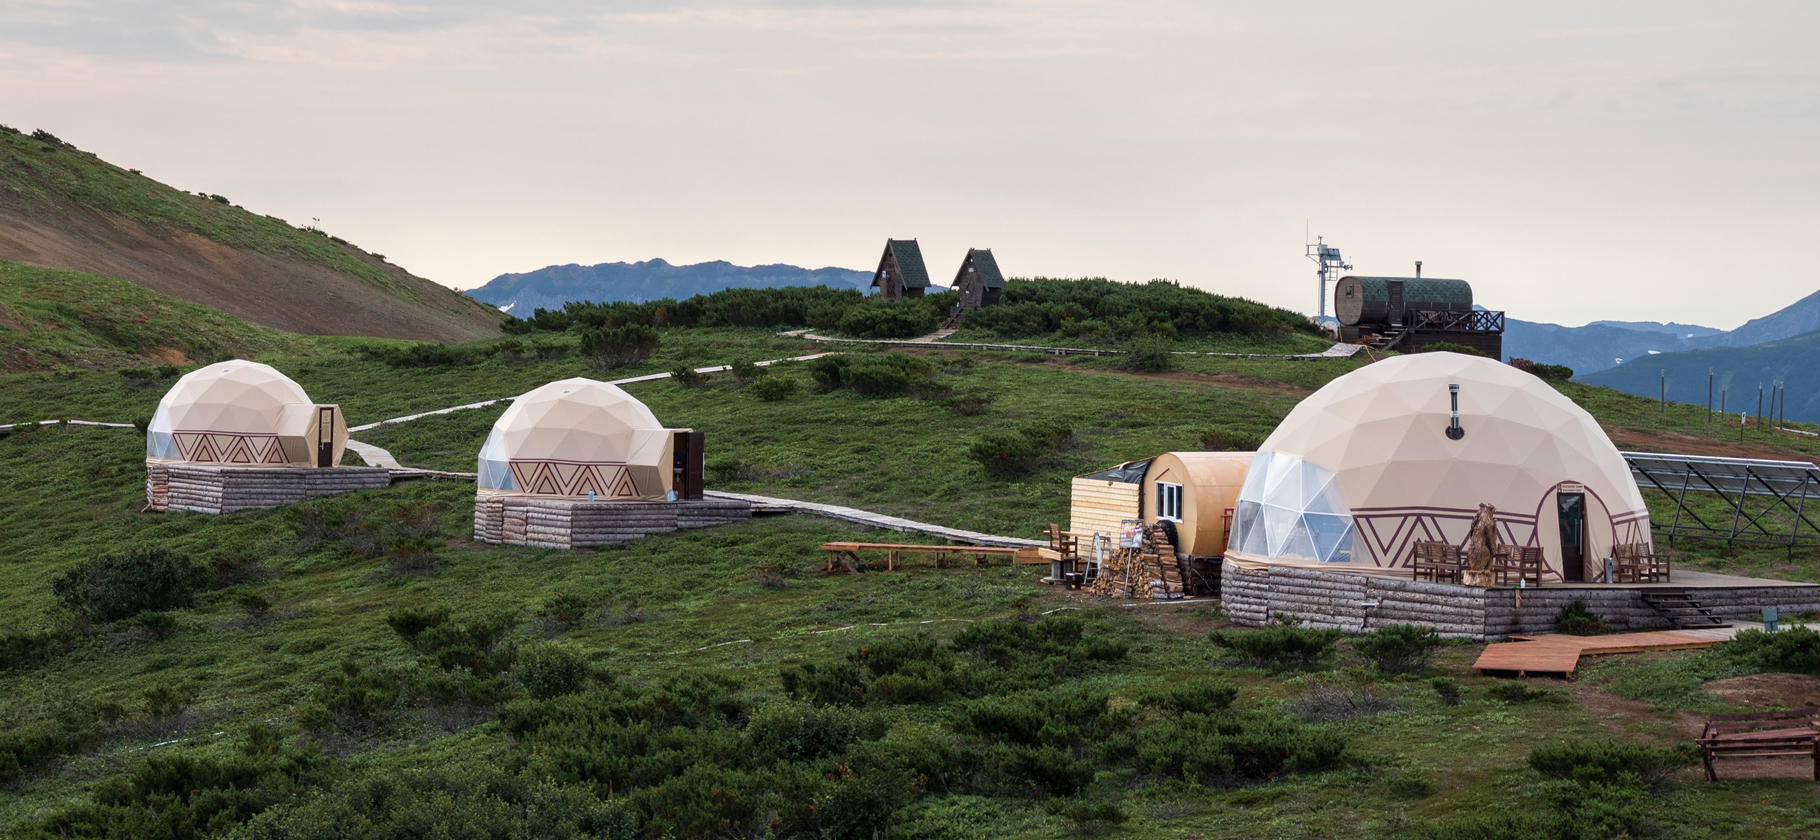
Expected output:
(116, 586)
(1232, 438)
(1102, 311)
(1278, 647)
(792, 306)
(1452, 347)
(1558, 373)
(1795, 650)
(886, 375)
(609, 348)
(1577, 619)
(1014, 452)
(1398, 648)
(904, 318)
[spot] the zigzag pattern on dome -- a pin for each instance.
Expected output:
(220, 448)
(608, 480)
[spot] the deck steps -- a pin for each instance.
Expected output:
(1682, 610)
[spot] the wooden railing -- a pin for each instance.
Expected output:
(1480, 321)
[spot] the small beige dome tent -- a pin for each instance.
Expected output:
(574, 436)
(244, 413)
(1366, 465)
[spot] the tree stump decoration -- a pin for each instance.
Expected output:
(1481, 548)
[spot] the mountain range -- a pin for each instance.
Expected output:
(552, 286)
(1602, 345)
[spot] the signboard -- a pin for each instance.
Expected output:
(1131, 533)
(1572, 487)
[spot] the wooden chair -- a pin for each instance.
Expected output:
(1761, 735)
(1065, 560)
(1517, 563)
(1436, 561)
(1625, 566)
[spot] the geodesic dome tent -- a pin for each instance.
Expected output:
(243, 413)
(574, 436)
(1366, 465)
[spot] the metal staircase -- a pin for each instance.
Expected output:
(1682, 610)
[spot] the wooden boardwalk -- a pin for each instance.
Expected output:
(1560, 654)
(876, 520)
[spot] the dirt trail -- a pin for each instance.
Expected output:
(287, 294)
(1756, 445)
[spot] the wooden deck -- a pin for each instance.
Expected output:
(1560, 654)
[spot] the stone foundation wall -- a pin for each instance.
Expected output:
(566, 523)
(206, 488)
(1332, 600)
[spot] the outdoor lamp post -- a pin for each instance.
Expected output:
(1454, 432)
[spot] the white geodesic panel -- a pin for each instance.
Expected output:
(577, 435)
(238, 412)
(1372, 445)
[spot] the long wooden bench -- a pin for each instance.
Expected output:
(1761, 735)
(847, 553)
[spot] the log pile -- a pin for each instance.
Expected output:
(205, 488)
(1153, 571)
(571, 523)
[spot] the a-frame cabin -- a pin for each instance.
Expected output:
(979, 280)
(900, 271)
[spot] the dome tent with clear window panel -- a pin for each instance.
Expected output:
(241, 413)
(578, 435)
(1364, 467)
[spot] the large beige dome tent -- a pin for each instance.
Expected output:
(576, 438)
(1367, 464)
(244, 413)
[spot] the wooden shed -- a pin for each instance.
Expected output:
(1197, 491)
(1409, 313)
(1100, 501)
(901, 273)
(979, 281)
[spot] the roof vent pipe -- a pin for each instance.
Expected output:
(1418, 269)
(1454, 432)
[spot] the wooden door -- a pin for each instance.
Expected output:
(687, 465)
(325, 437)
(1571, 511)
(1395, 288)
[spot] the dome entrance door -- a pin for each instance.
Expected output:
(325, 437)
(1571, 511)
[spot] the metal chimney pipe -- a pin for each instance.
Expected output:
(1418, 269)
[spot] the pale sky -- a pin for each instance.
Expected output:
(1575, 161)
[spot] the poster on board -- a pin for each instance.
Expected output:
(1131, 533)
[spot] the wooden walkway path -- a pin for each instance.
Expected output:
(1560, 654)
(876, 520)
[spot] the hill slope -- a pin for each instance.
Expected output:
(64, 208)
(551, 287)
(1605, 344)
(1741, 369)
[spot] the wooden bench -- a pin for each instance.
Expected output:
(1517, 564)
(1636, 563)
(847, 553)
(1436, 561)
(1761, 735)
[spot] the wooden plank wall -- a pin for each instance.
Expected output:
(1099, 505)
(570, 523)
(218, 489)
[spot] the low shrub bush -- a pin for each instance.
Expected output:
(906, 318)
(773, 388)
(1231, 439)
(1398, 648)
(1576, 619)
(887, 375)
(1451, 347)
(1277, 647)
(1009, 454)
(548, 670)
(1609, 762)
(1149, 353)
(1517, 691)
(616, 347)
(111, 587)
(1795, 650)
(1201, 697)
(1342, 697)
(688, 378)
(471, 802)
(1447, 689)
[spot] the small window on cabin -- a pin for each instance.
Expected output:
(1349, 291)
(1169, 501)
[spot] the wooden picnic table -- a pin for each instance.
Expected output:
(847, 553)
(1793, 733)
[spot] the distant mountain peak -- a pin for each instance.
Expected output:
(653, 279)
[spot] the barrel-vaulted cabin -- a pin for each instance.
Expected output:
(979, 281)
(901, 273)
(1410, 313)
(1194, 490)
(1197, 491)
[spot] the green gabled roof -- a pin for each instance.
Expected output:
(984, 263)
(909, 263)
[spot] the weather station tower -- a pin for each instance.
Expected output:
(1329, 267)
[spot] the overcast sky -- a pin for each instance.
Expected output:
(1575, 161)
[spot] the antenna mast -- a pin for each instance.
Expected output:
(1329, 265)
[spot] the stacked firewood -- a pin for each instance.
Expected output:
(1152, 571)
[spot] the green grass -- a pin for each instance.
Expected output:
(1217, 343)
(47, 177)
(68, 319)
(74, 492)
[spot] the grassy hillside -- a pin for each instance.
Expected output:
(62, 207)
(57, 319)
(1739, 369)
(1094, 719)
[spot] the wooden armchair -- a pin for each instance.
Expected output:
(1517, 564)
(1436, 561)
(1064, 556)
(1638, 563)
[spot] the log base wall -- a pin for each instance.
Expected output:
(204, 488)
(564, 523)
(1332, 600)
